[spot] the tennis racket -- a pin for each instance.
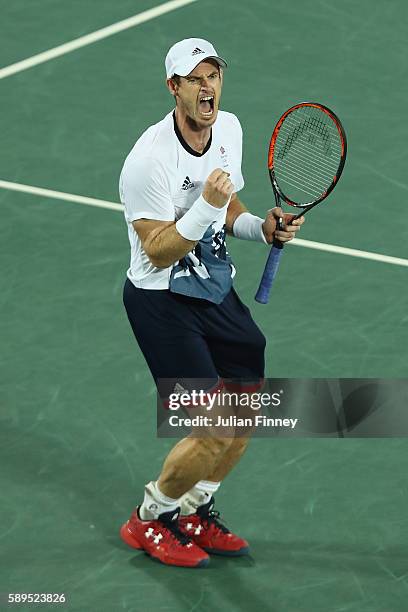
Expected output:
(306, 157)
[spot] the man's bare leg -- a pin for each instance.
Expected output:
(191, 460)
(204, 461)
(229, 460)
(198, 455)
(205, 488)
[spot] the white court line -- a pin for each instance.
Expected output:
(309, 244)
(60, 195)
(88, 39)
(332, 248)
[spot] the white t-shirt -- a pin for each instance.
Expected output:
(162, 177)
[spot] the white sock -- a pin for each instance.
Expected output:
(199, 495)
(155, 503)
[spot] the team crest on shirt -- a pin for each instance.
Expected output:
(224, 157)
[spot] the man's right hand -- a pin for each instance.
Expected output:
(218, 188)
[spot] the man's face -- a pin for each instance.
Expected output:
(198, 94)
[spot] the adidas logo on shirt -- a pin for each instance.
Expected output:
(187, 184)
(197, 50)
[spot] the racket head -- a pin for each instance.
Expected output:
(307, 153)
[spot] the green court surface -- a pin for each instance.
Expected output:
(326, 519)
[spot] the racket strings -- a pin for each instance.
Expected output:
(309, 190)
(313, 163)
(309, 180)
(313, 125)
(326, 149)
(329, 139)
(311, 157)
(302, 183)
(308, 170)
(307, 154)
(314, 182)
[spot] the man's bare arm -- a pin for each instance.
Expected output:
(161, 241)
(164, 243)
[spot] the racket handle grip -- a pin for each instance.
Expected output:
(268, 276)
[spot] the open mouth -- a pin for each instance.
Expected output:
(206, 106)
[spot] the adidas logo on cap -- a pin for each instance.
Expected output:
(197, 50)
(187, 184)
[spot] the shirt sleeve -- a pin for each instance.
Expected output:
(239, 179)
(145, 190)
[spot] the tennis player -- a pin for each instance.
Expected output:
(179, 186)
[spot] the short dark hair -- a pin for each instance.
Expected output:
(176, 77)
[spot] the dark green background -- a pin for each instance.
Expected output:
(326, 518)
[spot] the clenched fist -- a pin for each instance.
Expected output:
(218, 188)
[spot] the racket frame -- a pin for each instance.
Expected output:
(272, 263)
(343, 139)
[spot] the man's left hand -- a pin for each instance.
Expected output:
(288, 231)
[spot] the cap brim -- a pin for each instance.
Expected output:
(193, 63)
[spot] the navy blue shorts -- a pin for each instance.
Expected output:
(188, 338)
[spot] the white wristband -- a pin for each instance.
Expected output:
(249, 227)
(196, 221)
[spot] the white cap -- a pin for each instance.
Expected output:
(185, 55)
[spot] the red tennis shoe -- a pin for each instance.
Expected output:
(207, 531)
(163, 540)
